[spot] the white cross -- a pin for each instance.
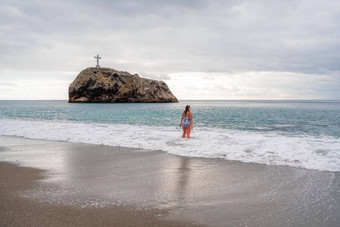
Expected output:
(98, 60)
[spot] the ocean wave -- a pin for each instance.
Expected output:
(305, 151)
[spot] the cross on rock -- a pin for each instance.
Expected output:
(97, 60)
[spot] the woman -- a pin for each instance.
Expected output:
(186, 122)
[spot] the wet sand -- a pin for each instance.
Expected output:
(18, 211)
(92, 185)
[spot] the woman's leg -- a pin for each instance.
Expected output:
(188, 131)
(184, 132)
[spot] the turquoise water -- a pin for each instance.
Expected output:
(296, 117)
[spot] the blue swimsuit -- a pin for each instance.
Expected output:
(185, 121)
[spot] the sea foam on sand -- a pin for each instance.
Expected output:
(306, 151)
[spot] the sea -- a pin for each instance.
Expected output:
(301, 134)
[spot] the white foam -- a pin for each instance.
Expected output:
(311, 152)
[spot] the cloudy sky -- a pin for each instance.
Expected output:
(258, 49)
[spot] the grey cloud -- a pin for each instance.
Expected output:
(156, 76)
(233, 90)
(171, 36)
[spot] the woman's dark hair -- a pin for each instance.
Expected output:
(186, 109)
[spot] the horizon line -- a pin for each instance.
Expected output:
(188, 100)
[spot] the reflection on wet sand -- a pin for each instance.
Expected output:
(183, 180)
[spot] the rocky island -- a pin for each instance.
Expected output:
(100, 85)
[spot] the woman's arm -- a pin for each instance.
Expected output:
(180, 125)
(191, 120)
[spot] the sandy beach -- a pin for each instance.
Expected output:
(78, 184)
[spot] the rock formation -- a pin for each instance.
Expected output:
(109, 85)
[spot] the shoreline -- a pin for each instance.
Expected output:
(310, 152)
(169, 190)
(166, 153)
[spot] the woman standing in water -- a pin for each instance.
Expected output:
(186, 122)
